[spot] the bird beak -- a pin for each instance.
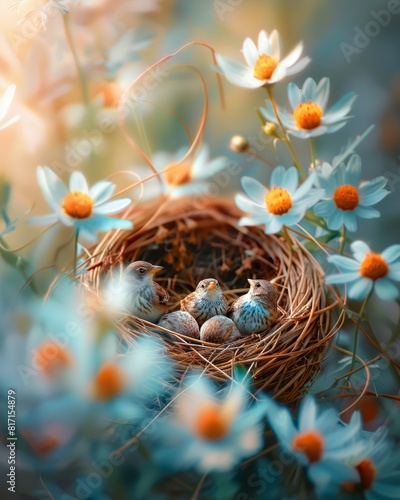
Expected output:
(251, 283)
(211, 286)
(156, 269)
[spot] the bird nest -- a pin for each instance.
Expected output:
(194, 242)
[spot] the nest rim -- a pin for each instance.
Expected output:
(283, 361)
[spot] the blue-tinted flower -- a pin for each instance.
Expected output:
(346, 197)
(264, 64)
(283, 204)
(184, 177)
(80, 207)
(368, 271)
(5, 103)
(208, 430)
(122, 383)
(319, 441)
(318, 435)
(377, 467)
(310, 117)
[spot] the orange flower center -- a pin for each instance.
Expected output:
(211, 424)
(311, 443)
(46, 445)
(374, 266)
(41, 446)
(346, 197)
(52, 358)
(78, 205)
(264, 67)
(107, 91)
(177, 174)
(366, 471)
(278, 201)
(109, 382)
(307, 115)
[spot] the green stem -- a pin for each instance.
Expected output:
(285, 135)
(342, 239)
(312, 152)
(357, 329)
(81, 73)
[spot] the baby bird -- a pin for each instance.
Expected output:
(205, 302)
(219, 330)
(149, 300)
(256, 311)
(180, 322)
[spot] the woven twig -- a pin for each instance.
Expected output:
(195, 241)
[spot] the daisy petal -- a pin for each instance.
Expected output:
(264, 46)
(248, 206)
(323, 89)
(337, 279)
(276, 43)
(386, 290)
(391, 253)
(254, 189)
(294, 95)
(102, 191)
(77, 182)
(344, 263)
(359, 249)
(296, 68)
(293, 56)
(361, 288)
(367, 212)
(250, 52)
(111, 207)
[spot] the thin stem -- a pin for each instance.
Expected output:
(357, 329)
(342, 239)
(81, 73)
(252, 153)
(312, 152)
(285, 135)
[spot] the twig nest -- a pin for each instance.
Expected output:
(198, 239)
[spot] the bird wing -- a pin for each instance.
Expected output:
(185, 303)
(163, 295)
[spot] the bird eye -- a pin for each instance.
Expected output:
(203, 285)
(141, 270)
(258, 285)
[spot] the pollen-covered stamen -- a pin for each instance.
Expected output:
(346, 197)
(211, 422)
(366, 471)
(265, 67)
(52, 358)
(78, 205)
(278, 201)
(178, 174)
(308, 115)
(374, 266)
(311, 443)
(109, 382)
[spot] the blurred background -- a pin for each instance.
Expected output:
(355, 44)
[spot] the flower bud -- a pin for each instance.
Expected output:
(239, 144)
